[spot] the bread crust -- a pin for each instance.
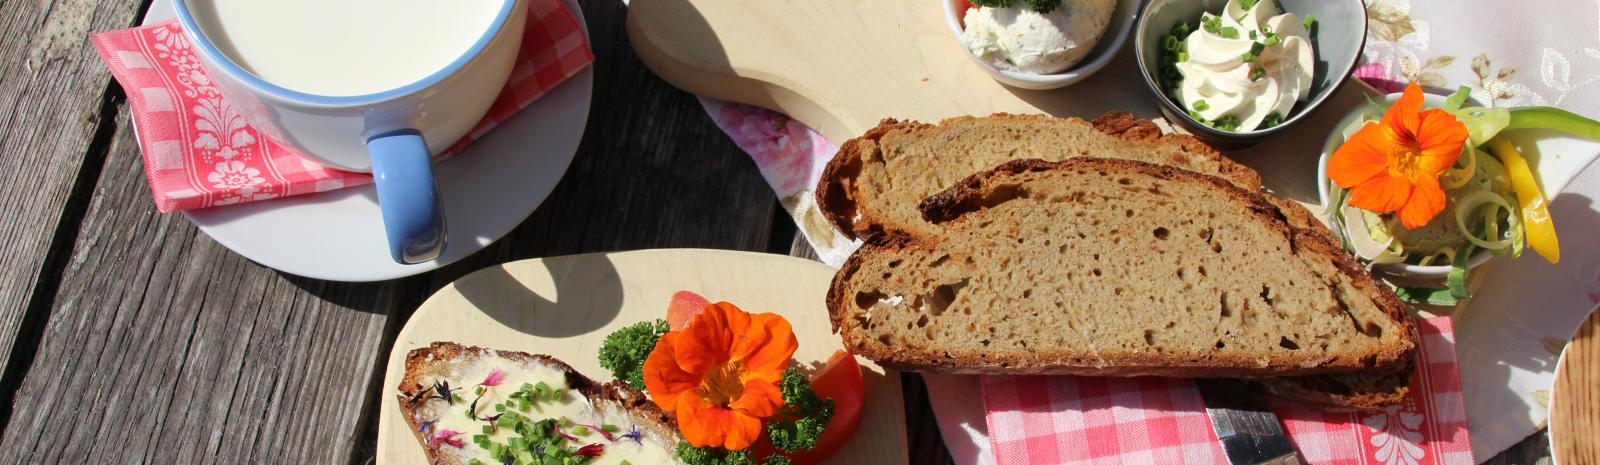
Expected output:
(836, 195)
(418, 364)
(955, 203)
(1335, 393)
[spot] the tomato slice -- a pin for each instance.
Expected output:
(685, 305)
(839, 380)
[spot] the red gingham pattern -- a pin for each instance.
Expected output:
(1081, 420)
(198, 151)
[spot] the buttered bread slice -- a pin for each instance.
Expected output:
(875, 181)
(470, 405)
(1114, 268)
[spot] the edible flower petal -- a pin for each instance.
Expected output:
(494, 378)
(719, 376)
(1394, 165)
(447, 436)
(592, 450)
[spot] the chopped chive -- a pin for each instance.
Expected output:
(1252, 35)
(1258, 73)
(1170, 43)
(1271, 40)
(1255, 51)
(1201, 105)
(609, 428)
(1183, 56)
(1248, 3)
(1309, 22)
(1271, 120)
(1228, 32)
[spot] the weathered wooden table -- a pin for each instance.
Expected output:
(126, 336)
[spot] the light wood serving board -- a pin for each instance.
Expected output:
(1575, 398)
(565, 306)
(840, 66)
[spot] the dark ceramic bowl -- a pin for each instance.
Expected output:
(1340, 32)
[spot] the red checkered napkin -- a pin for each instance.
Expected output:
(1068, 419)
(199, 152)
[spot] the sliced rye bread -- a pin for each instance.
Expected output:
(1099, 267)
(1344, 392)
(446, 360)
(875, 181)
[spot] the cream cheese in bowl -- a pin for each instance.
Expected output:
(1246, 68)
(1021, 38)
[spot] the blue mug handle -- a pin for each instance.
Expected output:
(402, 170)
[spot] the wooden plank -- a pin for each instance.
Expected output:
(164, 347)
(1575, 397)
(52, 97)
(653, 171)
(189, 353)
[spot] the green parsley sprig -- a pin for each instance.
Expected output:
(799, 425)
(624, 350)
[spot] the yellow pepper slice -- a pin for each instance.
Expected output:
(1536, 223)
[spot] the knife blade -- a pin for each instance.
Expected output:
(1248, 430)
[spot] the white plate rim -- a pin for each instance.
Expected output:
(222, 224)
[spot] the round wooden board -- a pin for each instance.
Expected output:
(1575, 398)
(565, 306)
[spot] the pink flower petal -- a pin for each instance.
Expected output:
(495, 376)
(447, 436)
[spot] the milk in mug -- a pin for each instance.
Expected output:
(344, 47)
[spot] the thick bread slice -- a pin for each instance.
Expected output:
(1114, 267)
(1344, 392)
(447, 360)
(875, 181)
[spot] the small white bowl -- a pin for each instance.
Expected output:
(1122, 19)
(1400, 273)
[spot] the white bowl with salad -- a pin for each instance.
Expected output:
(1495, 197)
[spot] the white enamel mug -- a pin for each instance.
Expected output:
(392, 133)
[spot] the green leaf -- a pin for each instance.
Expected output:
(1426, 296)
(1043, 6)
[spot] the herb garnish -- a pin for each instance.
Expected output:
(624, 350)
(1272, 119)
(1041, 6)
(439, 390)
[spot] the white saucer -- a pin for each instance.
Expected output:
(487, 191)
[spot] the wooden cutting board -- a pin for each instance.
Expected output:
(840, 66)
(1575, 398)
(565, 306)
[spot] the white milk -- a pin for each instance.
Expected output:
(344, 47)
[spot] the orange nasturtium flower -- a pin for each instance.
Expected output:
(720, 375)
(1394, 165)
